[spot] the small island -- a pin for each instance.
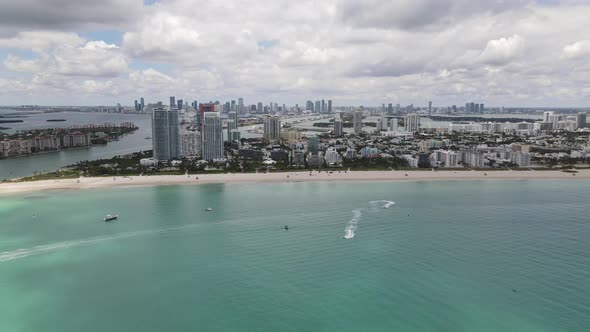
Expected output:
(29, 142)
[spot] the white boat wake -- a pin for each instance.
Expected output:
(37, 250)
(357, 214)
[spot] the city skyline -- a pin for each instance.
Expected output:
(501, 53)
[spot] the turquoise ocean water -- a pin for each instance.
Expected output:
(447, 256)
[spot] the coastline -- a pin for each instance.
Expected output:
(285, 177)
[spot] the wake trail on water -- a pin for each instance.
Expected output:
(357, 214)
(37, 250)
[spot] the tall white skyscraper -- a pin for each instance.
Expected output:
(412, 123)
(165, 134)
(272, 128)
(358, 122)
(212, 147)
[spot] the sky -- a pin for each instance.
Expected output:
(498, 52)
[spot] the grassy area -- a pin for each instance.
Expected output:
(61, 174)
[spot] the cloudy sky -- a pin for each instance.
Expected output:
(501, 52)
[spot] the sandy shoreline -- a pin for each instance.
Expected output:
(157, 180)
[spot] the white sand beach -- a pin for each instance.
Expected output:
(303, 176)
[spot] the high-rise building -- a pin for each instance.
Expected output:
(212, 147)
(272, 128)
(142, 104)
(357, 122)
(481, 108)
(412, 123)
(313, 145)
(381, 123)
(393, 124)
(179, 104)
(189, 144)
(165, 134)
(581, 120)
(203, 108)
(546, 116)
(136, 106)
(429, 107)
(323, 107)
(233, 116)
(172, 102)
(232, 124)
(389, 108)
(318, 106)
(241, 108)
(329, 106)
(338, 127)
(309, 106)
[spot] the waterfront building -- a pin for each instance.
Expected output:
(581, 120)
(332, 157)
(241, 108)
(148, 162)
(203, 108)
(412, 162)
(358, 122)
(234, 135)
(212, 147)
(393, 124)
(412, 123)
(46, 143)
(313, 145)
(75, 139)
(521, 159)
(165, 134)
(272, 128)
(190, 144)
(298, 158)
(451, 159)
(314, 160)
(338, 127)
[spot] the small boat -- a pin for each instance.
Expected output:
(108, 217)
(286, 227)
(208, 209)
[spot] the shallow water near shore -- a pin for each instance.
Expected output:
(392, 256)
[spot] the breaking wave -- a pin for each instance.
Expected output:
(357, 214)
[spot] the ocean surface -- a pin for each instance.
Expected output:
(372, 256)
